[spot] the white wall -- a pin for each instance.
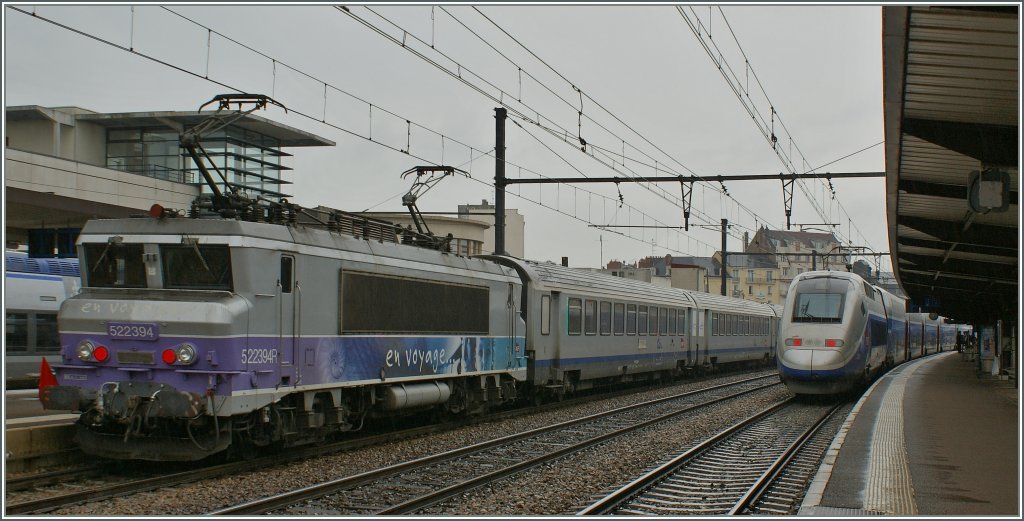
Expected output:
(78, 180)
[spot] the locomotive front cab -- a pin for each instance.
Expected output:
(148, 343)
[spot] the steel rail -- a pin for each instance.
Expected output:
(613, 500)
(278, 501)
(99, 493)
(759, 488)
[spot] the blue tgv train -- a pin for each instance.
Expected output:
(839, 332)
(33, 292)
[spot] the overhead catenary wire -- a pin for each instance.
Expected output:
(457, 74)
(707, 42)
(314, 118)
(593, 101)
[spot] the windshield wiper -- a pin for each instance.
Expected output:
(195, 248)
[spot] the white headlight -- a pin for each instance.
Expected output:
(186, 354)
(84, 350)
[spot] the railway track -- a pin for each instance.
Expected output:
(761, 465)
(104, 481)
(414, 485)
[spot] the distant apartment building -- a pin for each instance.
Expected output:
(796, 252)
(627, 271)
(515, 226)
(762, 272)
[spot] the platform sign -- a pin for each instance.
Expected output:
(987, 343)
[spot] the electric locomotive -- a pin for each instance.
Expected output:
(193, 336)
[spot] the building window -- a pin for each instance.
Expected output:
(768, 276)
(785, 272)
(750, 275)
(750, 290)
(251, 161)
(146, 152)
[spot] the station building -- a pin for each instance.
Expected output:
(66, 165)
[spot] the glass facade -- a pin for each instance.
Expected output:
(152, 153)
(251, 162)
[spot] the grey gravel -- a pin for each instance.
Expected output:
(560, 488)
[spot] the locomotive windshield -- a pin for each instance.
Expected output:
(194, 266)
(114, 265)
(820, 300)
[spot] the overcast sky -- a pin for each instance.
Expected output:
(649, 91)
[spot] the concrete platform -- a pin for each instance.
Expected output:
(930, 438)
(34, 437)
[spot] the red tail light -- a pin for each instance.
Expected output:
(100, 354)
(169, 356)
(834, 342)
(796, 342)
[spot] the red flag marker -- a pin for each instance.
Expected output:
(46, 378)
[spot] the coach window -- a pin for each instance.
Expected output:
(672, 322)
(641, 321)
(47, 338)
(590, 316)
(575, 316)
(663, 322)
(545, 314)
(287, 273)
(681, 328)
(606, 318)
(653, 330)
(16, 334)
(714, 324)
(618, 318)
(631, 319)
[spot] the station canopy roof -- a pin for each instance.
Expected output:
(951, 90)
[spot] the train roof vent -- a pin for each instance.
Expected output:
(18, 263)
(66, 267)
(24, 264)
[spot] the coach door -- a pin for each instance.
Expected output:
(288, 290)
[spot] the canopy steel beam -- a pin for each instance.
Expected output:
(949, 231)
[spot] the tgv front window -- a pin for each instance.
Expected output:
(820, 300)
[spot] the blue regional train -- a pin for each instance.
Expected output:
(839, 332)
(277, 326)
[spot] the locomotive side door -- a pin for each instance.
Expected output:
(287, 320)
